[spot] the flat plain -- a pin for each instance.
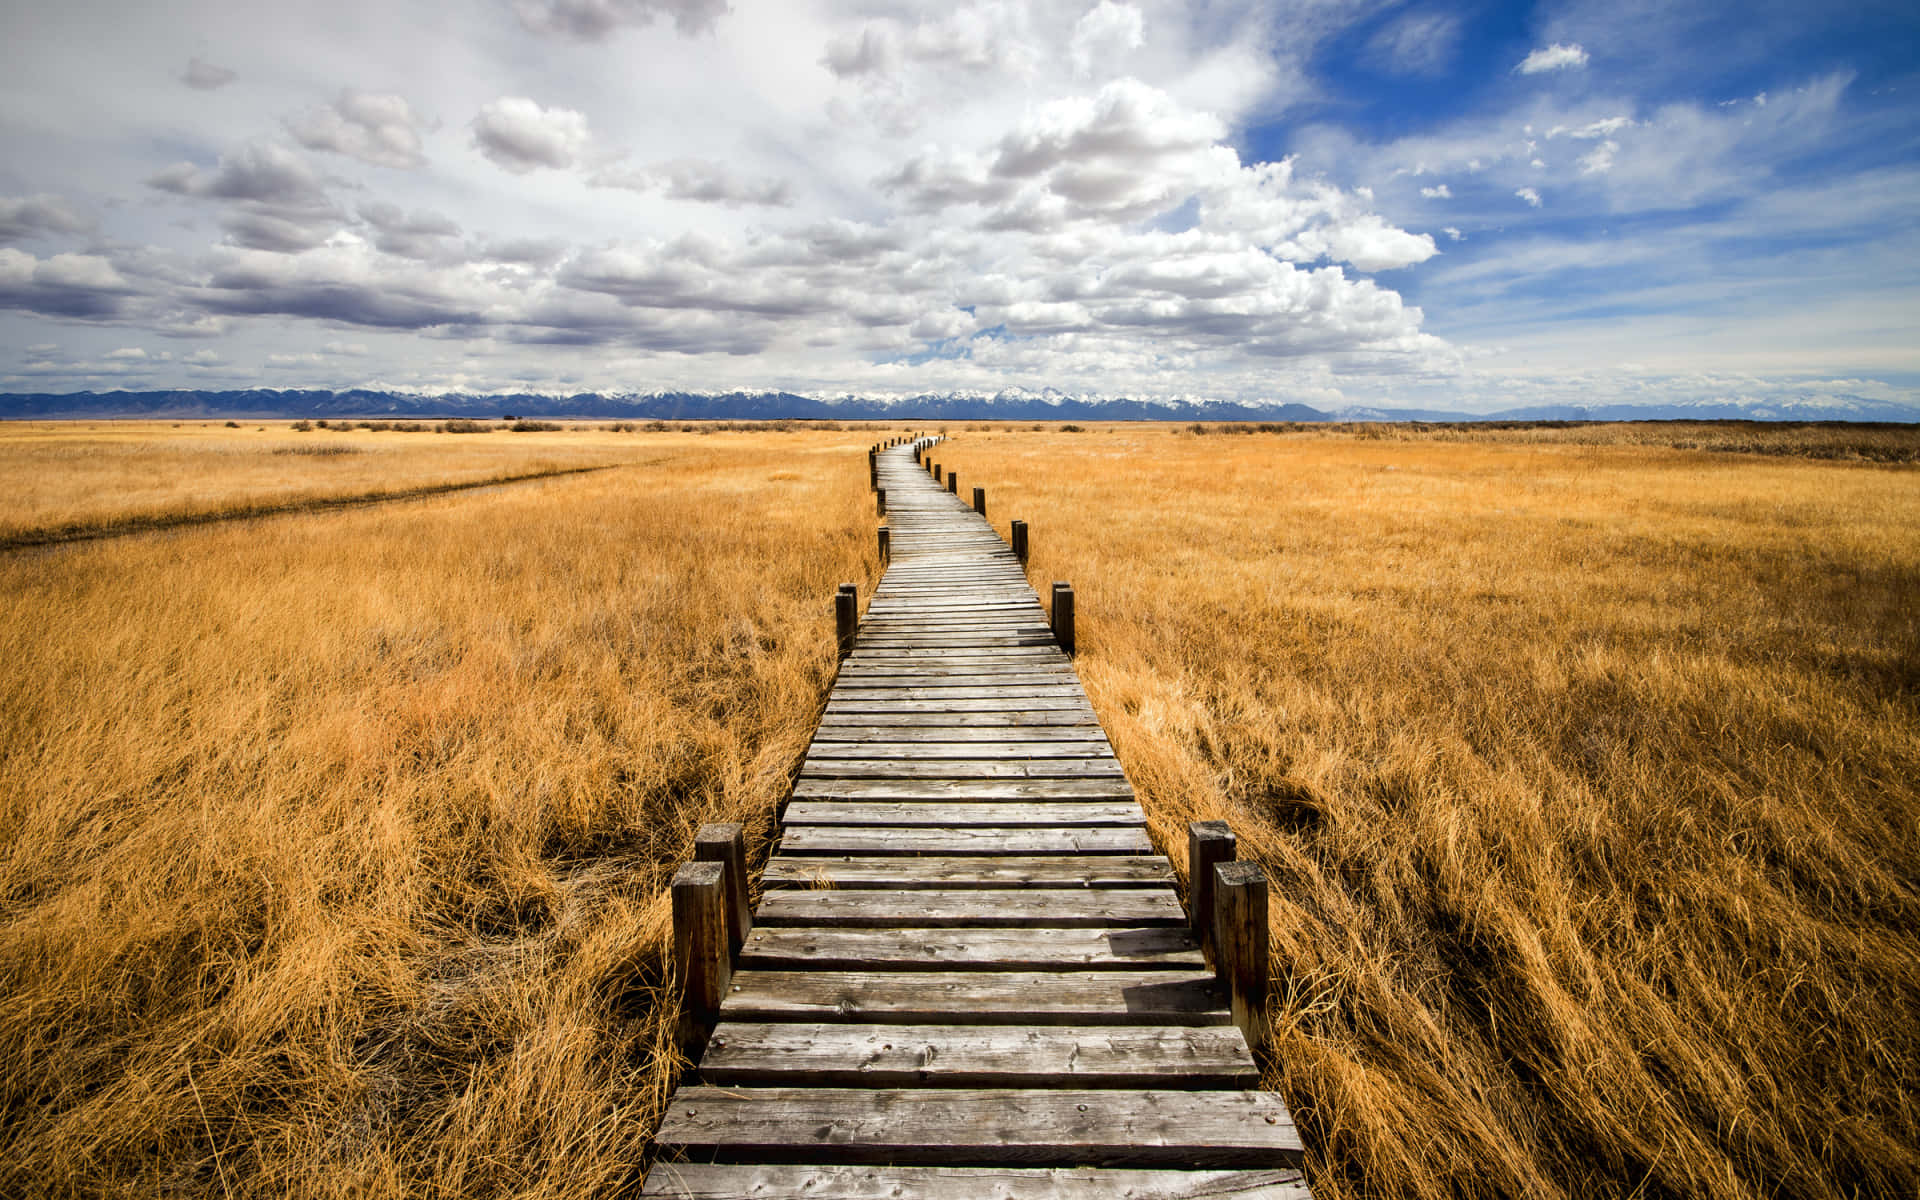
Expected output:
(333, 842)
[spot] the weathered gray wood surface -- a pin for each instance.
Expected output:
(945, 789)
(1083, 908)
(1153, 1056)
(925, 1126)
(847, 946)
(928, 814)
(1005, 871)
(1130, 997)
(996, 840)
(688, 1181)
(968, 954)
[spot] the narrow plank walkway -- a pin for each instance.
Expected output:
(970, 978)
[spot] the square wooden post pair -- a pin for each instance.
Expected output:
(711, 918)
(1229, 920)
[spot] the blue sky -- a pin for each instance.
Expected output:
(1348, 205)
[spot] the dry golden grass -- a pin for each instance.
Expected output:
(1587, 774)
(65, 480)
(1850, 441)
(332, 846)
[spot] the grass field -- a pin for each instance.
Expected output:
(1584, 761)
(70, 481)
(1586, 768)
(332, 846)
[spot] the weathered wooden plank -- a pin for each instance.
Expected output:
(994, 592)
(1082, 908)
(944, 789)
(1002, 814)
(1006, 604)
(944, 642)
(934, 720)
(928, 1126)
(866, 734)
(921, 618)
(895, 1056)
(969, 948)
(956, 689)
(957, 626)
(689, 1181)
(862, 675)
(907, 769)
(839, 706)
(979, 997)
(1089, 871)
(904, 654)
(850, 839)
(927, 750)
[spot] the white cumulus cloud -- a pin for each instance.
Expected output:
(1437, 192)
(521, 136)
(1105, 35)
(1530, 195)
(377, 128)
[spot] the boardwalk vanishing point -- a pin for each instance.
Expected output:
(971, 977)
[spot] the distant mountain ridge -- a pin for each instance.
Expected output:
(1015, 404)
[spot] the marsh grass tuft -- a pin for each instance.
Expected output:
(323, 450)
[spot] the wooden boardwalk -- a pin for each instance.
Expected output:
(971, 977)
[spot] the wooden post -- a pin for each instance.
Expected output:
(700, 947)
(873, 469)
(846, 616)
(1209, 843)
(953, 482)
(980, 501)
(880, 500)
(1063, 616)
(1020, 541)
(1240, 944)
(936, 472)
(725, 842)
(886, 543)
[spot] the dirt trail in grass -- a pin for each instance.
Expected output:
(86, 531)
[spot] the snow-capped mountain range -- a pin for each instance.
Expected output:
(1012, 404)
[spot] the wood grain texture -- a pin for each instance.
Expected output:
(997, 840)
(926, 1126)
(1076, 908)
(967, 948)
(869, 735)
(931, 814)
(820, 768)
(945, 790)
(1093, 1056)
(689, 1181)
(1003, 871)
(979, 998)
